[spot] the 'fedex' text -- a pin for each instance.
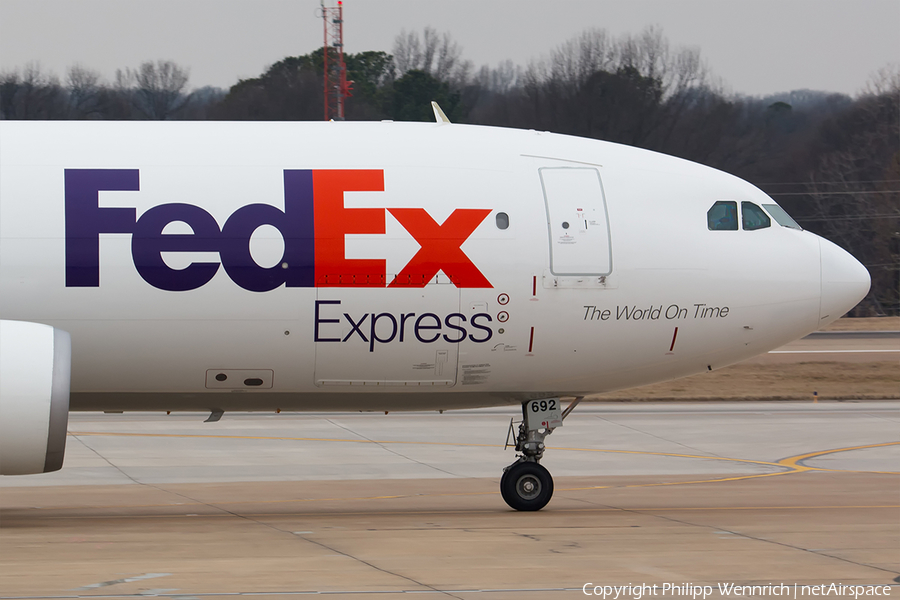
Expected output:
(313, 224)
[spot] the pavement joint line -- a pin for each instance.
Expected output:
(248, 517)
(194, 501)
(591, 509)
(346, 554)
(792, 463)
(747, 536)
(107, 461)
(256, 519)
(222, 514)
(789, 462)
(380, 442)
(301, 593)
(617, 423)
(457, 494)
(357, 592)
(394, 452)
(756, 538)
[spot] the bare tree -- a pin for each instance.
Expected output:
(506, 77)
(576, 60)
(31, 94)
(84, 87)
(157, 89)
(854, 192)
(632, 89)
(9, 85)
(885, 80)
(407, 51)
(435, 54)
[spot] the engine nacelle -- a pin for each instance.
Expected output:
(35, 362)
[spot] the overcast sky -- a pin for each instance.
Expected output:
(754, 46)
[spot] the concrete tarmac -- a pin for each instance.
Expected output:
(360, 505)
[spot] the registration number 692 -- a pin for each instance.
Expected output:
(543, 414)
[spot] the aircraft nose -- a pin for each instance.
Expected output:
(844, 281)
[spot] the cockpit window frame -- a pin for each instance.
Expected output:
(731, 207)
(754, 223)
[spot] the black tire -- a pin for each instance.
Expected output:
(526, 486)
(503, 485)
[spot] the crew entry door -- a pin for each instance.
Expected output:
(577, 220)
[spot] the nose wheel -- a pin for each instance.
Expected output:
(526, 485)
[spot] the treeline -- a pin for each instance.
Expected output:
(154, 90)
(831, 160)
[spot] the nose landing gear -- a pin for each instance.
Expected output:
(526, 484)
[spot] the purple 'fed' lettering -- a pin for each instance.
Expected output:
(85, 220)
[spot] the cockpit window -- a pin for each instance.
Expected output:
(754, 217)
(781, 217)
(722, 216)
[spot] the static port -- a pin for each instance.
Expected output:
(253, 381)
(221, 377)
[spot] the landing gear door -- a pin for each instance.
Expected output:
(577, 220)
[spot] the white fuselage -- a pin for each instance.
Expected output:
(397, 266)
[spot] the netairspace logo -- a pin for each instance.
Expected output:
(695, 592)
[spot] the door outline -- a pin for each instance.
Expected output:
(603, 205)
(334, 363)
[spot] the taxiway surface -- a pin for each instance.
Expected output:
(354, 505)
(844, 346)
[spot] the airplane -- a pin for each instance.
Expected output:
(377, 266)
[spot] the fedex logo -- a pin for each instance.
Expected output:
(313, 225)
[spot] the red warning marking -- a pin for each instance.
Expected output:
(531, 340)
(675, 335)
(534, 286)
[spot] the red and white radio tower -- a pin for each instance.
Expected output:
(337, 88)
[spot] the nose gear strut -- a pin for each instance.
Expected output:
(526, 484)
